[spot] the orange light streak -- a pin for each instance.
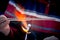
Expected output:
(21, 17)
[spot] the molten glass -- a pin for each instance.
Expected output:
(21, 17)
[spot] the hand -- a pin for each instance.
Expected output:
(4, 24)
(51, 38)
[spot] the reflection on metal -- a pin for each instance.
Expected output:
(29, 19)
(29, 25)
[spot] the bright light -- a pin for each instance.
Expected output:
(29, 25)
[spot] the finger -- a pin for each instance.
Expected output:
(3, 18)
(4, 23)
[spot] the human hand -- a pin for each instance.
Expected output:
(51, 38)
(3, 22)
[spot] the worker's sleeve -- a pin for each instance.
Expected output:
(13, 31)
(15, 34)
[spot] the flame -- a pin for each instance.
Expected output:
(21, 17)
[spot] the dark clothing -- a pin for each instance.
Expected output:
(16, 32)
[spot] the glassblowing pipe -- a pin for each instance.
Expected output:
(29, 19)
(28, 28)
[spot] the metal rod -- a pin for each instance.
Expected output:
(26, 37)
(29, 19)
(28, 28)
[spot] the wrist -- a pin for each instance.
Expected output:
(6, 30)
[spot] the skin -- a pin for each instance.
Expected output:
(4, 25)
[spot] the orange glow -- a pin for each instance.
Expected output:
(24, 29)
(21, 17)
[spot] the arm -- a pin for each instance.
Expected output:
(4, 25)
(8, 31)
